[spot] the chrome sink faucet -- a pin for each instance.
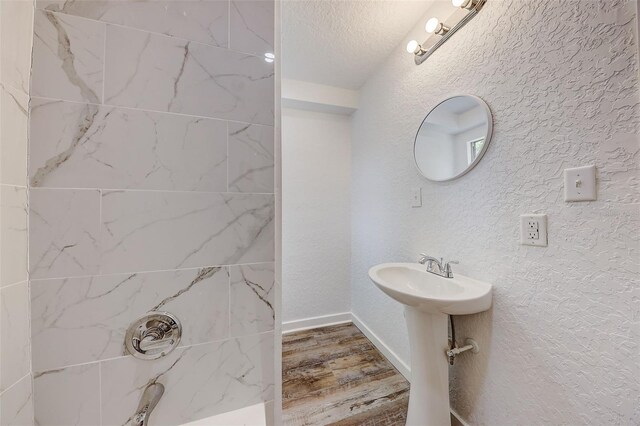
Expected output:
(442, 268)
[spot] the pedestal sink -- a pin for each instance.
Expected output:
(428, 299)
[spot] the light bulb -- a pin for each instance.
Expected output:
(412, 46)
(432, 24)
(269, 57)
(458, 3)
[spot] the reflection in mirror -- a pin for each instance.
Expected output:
(453, 138)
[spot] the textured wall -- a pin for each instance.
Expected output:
(151, 175)
(349, 39)
(316, 158)
(560, 345)
(16, 29)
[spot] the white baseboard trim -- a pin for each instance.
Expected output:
(313, 322)
(400, 365)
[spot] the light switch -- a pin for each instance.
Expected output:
(416, 197)
(580, 184)
(533, 230)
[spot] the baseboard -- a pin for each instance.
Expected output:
(400, 365)
(313, 322)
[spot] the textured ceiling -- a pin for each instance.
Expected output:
(341, 42)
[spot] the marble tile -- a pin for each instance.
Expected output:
(252, 26)
(16, 35)
(199, 381)
(14, 105)
(67, 57)
(13, 229)
(16, 404)
(15, 354)
(97, 311)
(68, 396)
(251, 160)
(64, 228)
(145, 231)
(161, 73)
(205, 21)
(86, 146)
(252, 299)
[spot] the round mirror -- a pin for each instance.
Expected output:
(452, 138)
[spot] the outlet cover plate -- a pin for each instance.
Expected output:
(533, 230)
(580, 184)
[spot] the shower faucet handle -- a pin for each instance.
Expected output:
(153, 336)
(151, 343)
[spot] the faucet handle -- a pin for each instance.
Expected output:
(447, 268)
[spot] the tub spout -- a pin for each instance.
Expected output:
(150, 398)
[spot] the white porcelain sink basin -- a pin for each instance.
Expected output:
(411, 285)
(428, 299)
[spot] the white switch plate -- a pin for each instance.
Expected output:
(416, 197)
(533, 230)
(580, 184)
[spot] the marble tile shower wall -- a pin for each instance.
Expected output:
(16, 31)
(151, 175)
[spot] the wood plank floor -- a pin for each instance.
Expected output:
(335, 376)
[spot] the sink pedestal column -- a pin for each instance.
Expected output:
(429, 394)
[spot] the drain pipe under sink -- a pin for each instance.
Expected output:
(454, 350)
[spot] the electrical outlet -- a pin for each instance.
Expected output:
(533, 230)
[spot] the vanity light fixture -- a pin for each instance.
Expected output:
(431, 25)
(414, 47)
(465, 4)
(439, 31)
(436, 27)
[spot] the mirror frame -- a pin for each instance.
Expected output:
(488, 136)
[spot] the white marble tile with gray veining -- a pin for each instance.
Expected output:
(145, 231)
(252, 294)
(86, 146)
(15, 353)
(252, 26)
(68, 396)
(97, 311)
(14, 106)
(200, 381)
(16, 35)
(67, 57)
(251, 160)
(162, 73)
(16, 404)
(204, 21)
(13, 229)
(64, 231)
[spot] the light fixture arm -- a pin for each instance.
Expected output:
(443, 32)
